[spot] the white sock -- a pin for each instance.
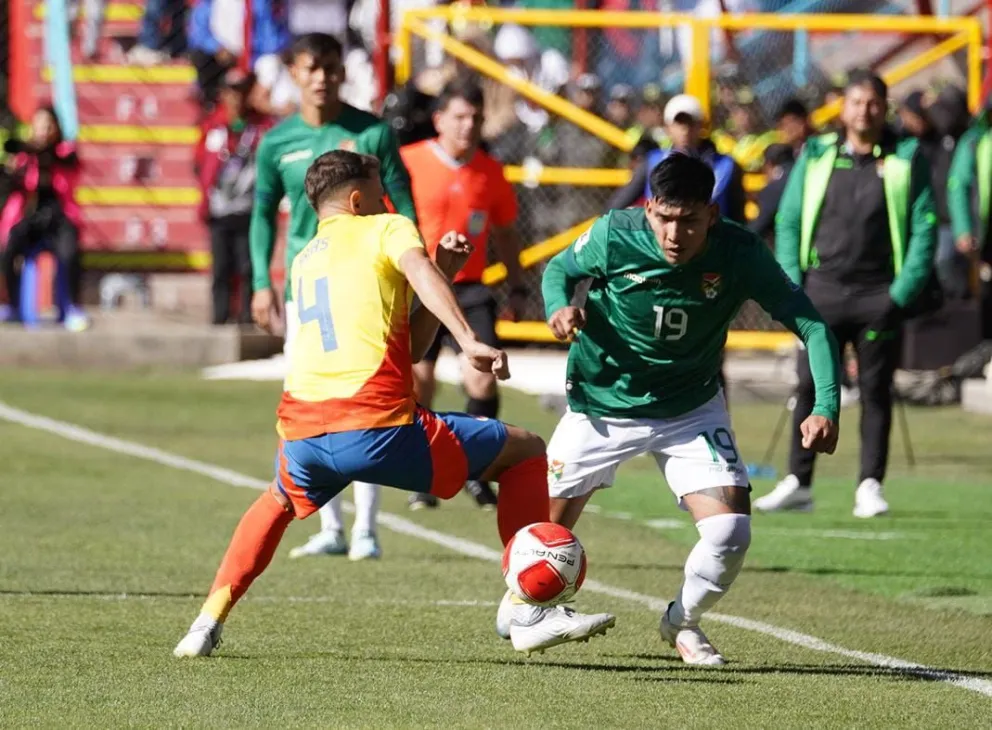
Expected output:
(366, 507)
(331, 519)
(712, 566)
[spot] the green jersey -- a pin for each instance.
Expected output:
(654, 334)
(284, 156)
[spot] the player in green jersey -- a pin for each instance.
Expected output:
(667, 280)
(323, 123)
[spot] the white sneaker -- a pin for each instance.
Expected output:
(201, 639)
(533, 628)
(364, 546)
(690, 642)
(143, 56)
(323, 543)
(503, 616)
(868, 500)
(787, 495)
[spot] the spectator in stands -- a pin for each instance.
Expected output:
(779, 160)
(792, 124)
(745, 142)
(619, 108)
(856, 228)
(41, 210)
(217, 38)
(969, 199)
(162, 34)
(408, 111)
(225, 165)
(649, 119)
(575, 147)
(684, 124)
(275, 93)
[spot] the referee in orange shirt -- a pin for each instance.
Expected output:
(457, 186)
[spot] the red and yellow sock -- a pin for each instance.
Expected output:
(251, 549)
(523, 496)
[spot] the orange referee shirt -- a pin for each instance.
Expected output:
(468, 197)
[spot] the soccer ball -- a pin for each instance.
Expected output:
(544, 564)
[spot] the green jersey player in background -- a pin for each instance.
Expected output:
(643, 371)
(323, 123)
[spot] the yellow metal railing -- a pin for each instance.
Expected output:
(963, 32)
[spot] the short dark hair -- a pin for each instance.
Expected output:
(792, 108)
(335, 169)
(864, 77)
(317, 45)
(682, 180)
(468, 89)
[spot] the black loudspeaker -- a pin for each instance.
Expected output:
(936, 340)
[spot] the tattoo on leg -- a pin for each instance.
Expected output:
(737, 498)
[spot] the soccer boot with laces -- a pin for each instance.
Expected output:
(690, 642)
(535, 628)
(201, 639)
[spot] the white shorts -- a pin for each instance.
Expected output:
(695, 451)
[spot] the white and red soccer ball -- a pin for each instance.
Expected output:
(544, 564)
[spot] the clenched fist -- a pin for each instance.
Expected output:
(566, 321)
(452, 252)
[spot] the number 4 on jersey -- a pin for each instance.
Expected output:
(319, 311)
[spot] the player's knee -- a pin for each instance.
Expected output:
(480, 386)
(727, 537)
(530, 446)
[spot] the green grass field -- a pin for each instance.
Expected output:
(105, 558)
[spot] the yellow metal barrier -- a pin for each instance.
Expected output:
(963, 33)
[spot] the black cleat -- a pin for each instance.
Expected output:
(482, 493)
(419, 500)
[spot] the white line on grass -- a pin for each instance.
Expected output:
(110, 596)
(466, 547)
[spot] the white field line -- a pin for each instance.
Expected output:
(113, 597)
(465, 547)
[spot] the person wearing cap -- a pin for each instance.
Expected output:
(619, 109)
(969, 203)
(856, 229)
(225, 165)
(684, 119)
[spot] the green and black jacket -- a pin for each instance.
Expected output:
(909, 202)
(969, 184)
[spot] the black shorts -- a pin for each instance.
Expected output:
(479, 305)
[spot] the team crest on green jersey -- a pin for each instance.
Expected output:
(711, 285)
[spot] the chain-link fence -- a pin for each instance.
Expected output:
(623, 70)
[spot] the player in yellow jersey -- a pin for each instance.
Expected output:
(348, 410)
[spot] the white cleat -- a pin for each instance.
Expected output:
(323, 543)
(364, 546)
(869, 501)
(787, 495)
(504, 614)
(534, 629)
(690, 642)
(201, 639)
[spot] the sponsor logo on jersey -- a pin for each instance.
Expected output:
(636, 278)
(556, 469)
(711, 285)
(348, 145)
(477, 222)
(298, 156)
(582, 240)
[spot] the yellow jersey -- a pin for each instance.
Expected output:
(350, 367)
